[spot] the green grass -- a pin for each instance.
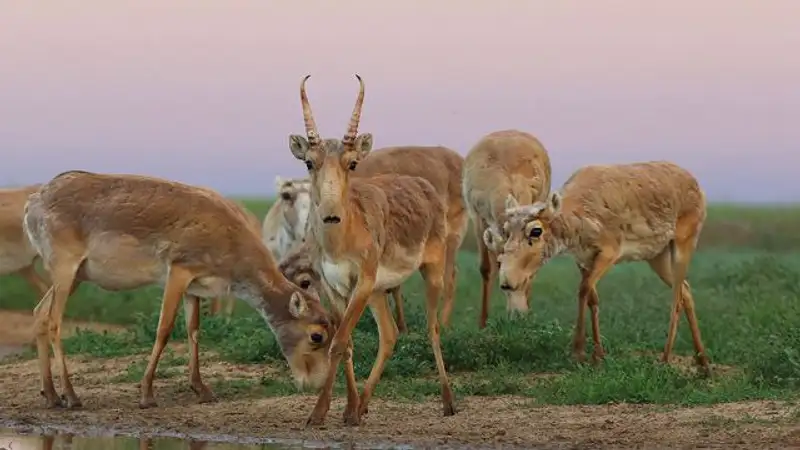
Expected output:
(745, 279)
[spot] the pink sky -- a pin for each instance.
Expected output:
(206, 92)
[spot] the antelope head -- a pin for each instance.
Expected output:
(527, 246)
(330, 161)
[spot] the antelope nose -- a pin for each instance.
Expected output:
(331, 219)
(506, 286)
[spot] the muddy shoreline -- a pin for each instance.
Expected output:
(110, 396)
(481, 423)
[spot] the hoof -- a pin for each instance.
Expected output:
(147, 403)
(705, 367)
(449, 410)
(204, 394)
(352, 419)
(315, 420)
(74, 403)
(597, 358)
(52, 401)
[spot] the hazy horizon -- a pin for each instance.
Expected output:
(207, 92)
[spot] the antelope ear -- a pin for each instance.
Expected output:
(487, 238)
(297, 306)
(299, 146)
(492, 239)
(363, 144)
(554, 201)
(511, 202)
(278, 182)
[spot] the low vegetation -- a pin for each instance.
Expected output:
(745, 279)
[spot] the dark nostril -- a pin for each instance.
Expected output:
(286, 196)
(331, 219)
(316, 338)
(505, 287)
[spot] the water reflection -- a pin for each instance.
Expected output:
(11, 441)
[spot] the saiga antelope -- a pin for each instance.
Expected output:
(442, 167)
(17, 255)
(371, 235)
(605, 215)
(122, 232)
(502, 163)
(285, 223)
(216, 302)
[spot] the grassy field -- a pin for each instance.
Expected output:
(745, 279)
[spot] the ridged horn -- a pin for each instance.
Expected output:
(352, 128)
(308, 116)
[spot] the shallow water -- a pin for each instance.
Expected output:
(52, 440)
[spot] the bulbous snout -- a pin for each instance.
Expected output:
(311, 373)
(331, 212)
(516, 290)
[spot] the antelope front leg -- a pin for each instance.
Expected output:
(604, 260)
(339, 344)
(192, 311)
(351, 409)
(579, 336)
(179, 278)
(387, 333)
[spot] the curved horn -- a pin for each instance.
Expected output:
(308, 117)
(352, 128)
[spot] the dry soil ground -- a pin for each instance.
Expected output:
(110, 399)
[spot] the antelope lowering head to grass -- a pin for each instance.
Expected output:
(502, 163)
(285, 223)
(122, 232)
(605, 215)
(370, 235)
(17, 255)
(442, 167)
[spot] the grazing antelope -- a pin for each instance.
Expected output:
(216, 302)
(370, 235)
(442, 167)
(122, 232)
(502, 163)
(605, 215)
(285, 223)
(17, 255)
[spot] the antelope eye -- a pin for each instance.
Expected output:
(352, 165)
(309, 165)
(536, 232)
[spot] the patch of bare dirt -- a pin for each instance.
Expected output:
(486, 421)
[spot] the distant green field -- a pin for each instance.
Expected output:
(728, 226)
(745, 279)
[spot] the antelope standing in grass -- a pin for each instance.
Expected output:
(371, 234)
(122, 232)
(502, 163)
(17, 255)
(605, 215)
(216, 302)
(442, 167)
(285, 223)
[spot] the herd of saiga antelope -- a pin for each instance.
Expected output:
(355, 230)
